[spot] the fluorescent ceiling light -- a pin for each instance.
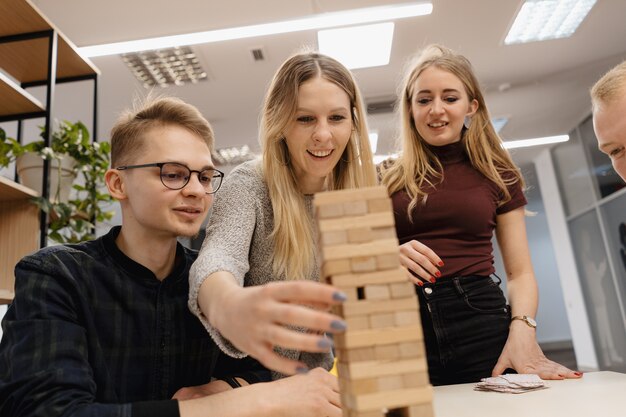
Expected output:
(512, 144)
(540, 20)
(314, 22)
(358, 46)
(373, 141)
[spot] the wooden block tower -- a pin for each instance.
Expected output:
(381, 359)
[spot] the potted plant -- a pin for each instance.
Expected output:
(71, 220)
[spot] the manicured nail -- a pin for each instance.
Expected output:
(338, 325)
(432, 279)
(440, 263)
(420, 283)
(437, 274)
(324, 344)
(339, 296)
(578, 374)
(302, 369)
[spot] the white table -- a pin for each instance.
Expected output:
(596, 394)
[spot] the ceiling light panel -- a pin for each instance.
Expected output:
(540, 20)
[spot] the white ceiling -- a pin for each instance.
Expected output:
(549, 81)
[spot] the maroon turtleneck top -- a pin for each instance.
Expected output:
(459, 216)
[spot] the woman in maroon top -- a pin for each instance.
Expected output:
(452, 186)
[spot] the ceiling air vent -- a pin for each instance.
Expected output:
(381, 106)
(258, 54)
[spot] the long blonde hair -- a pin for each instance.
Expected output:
(418, 168)
(293, 238)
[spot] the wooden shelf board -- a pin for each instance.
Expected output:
(11, 191)
(6, 296)
(27, 61)
(16, 100)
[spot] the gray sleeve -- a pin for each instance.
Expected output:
(227, 242)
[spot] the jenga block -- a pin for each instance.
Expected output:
(407, 318)
(389, 399)
(377, 292)
(402, 289)
(355, 208)
(421, 410)
(344, 196)
(386, 336)
(415, 379)
(358, 386)
(338, 237)
(377, 368)
(381, 320)
(389, 383)
(347, 223)
(355, 354)
(397, 275)
(338, 266)
(358, 322)
(411, 350)
(351, 293)
(360, 235)
(363, 264)
(356, 413)
(364, 307)
(379, 233)
(387, 352)
(388, 261)
(377, 248)
(379, 205)
(329, 211)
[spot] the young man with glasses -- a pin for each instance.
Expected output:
(102, 328)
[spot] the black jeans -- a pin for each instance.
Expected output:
(466, 324)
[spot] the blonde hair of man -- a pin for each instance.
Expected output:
(610, 87)
(417, 167)
(128, 135)
(294, 243)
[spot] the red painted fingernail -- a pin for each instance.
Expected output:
(420, 283)
(437, 274)
(440, 263)
(432, 279)
(578, 373)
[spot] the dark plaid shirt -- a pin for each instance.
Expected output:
(93, 333)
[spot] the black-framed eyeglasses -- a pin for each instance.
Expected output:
(176, 176)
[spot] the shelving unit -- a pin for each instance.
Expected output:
(33, 52)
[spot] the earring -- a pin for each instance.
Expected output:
(467, 122)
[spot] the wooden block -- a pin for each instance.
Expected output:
(402, 289)
(351, 293)
(364, 307)
(386, 336)
(357, 323)
(411, 350)
(415, 379)
(377, 292)
(347, 223)
(407, 318)
(397, 275)
(379, 205)
(387, 352)
(354, 194)
(356, 354)
(358, 386)
(350, 250)
(388, 232)
(355, 413)
(360, 235)
(339, 266)
(389, 383)
(329, 211)
(421, 410)
(363, 264)
(355, 208)
(338, 237)
(370, 369)
(390, 399)
(381, 320)
(388, 261)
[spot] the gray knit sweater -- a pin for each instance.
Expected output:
(237, 241)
